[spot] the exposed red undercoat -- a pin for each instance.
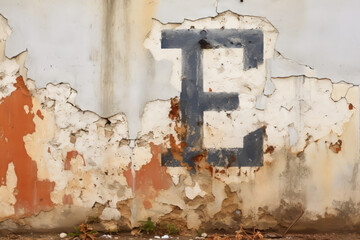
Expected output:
(176, 149)
(174, 112)
(32, 195)
(67, 199)
(269, 149)
(201, 163)
(70, 155)
(336, 147)
(39, 114)
(150, 179)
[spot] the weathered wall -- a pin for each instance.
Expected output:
(218, 128)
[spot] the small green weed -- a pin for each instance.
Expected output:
(147, 226)
(172, 229)
(76, 233)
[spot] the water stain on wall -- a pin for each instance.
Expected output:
(125, 25)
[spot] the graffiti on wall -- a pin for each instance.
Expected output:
(194, 101)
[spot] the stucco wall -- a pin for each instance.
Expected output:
(128, 111)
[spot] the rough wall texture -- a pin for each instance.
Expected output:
(239, 144)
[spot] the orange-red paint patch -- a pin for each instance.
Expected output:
(70, 155)
(39, 114)
(150, 179)
(67, 199)
(147, 204)
(32, 195)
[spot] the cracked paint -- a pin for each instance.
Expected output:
(61, 160)
(150, 179)
(70, 155)
(32, 195)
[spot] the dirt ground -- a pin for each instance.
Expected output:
(328, 236)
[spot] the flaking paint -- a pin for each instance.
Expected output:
(305, 117)
(70, 155)
(150, 179)
(32, 195)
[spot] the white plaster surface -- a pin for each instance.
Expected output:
(304, 117)
(8, 69)
(110, 214)
(321, 34)
(193, 192)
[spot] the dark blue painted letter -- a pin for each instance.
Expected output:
(194, 101)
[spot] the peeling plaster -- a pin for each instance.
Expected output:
(193, 192)
(110, 214)
(303, 116)
(94, 166)
(59, 127)
(328, 46)
(7, 196)
(8, 69)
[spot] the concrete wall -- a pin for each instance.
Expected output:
(207, 114)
